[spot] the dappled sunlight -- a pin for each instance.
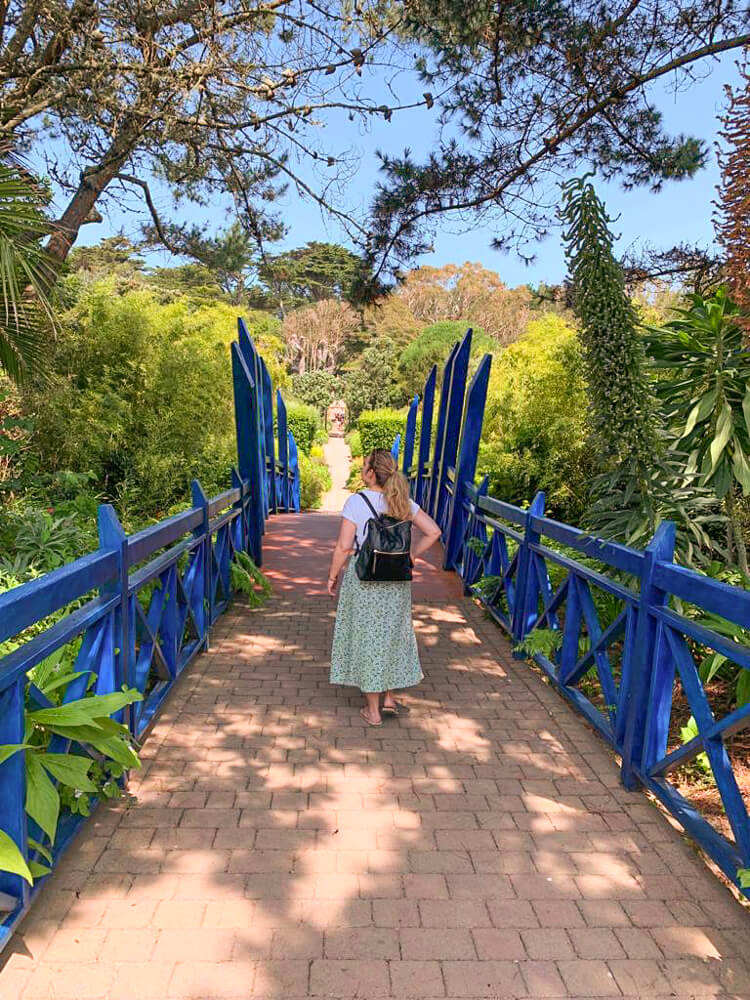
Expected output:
(273, 845)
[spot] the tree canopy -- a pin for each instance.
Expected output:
(231, 99)
(530, 89)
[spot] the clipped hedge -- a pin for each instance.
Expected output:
(304, 423)
(315, 480)
(378, 428)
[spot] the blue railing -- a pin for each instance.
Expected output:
(140, 608)
(619, 632)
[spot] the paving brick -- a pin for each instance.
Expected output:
(483, 979)
(435, 943)
(454, 913)
(416, 979)
(493, 943)
(349, 979)
(362, 943)
(547, 944)
(542, 979)
(588, 978)
(212, 979)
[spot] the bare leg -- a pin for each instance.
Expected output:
(389, 700)
(373, 706)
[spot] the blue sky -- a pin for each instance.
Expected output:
(680, 212)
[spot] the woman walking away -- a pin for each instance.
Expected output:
(374, 646)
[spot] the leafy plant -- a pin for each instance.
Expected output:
(689, 732)
(23, 269)
(743, 876)
(541, 641)
(704, 385)
(477, 546)
(54, 780)
(247, 579)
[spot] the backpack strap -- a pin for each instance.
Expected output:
(374, 514)
(366, 500)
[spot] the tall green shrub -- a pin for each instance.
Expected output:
(378, 428)
(535, 435)
(621, 411)
(140, 396)
(303, 421)
(432, 347)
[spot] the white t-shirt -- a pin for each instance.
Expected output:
(357, 511)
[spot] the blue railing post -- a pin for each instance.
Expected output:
(282, 433)
(294, 485)
(248, 447)
(425, 434)
(112, 536)
(238, 484)
(395, 448)
(452, 426)
(526, 609)
(13, 787)
(253, 362)
(200, 500)
(268, 432)
(466, 465)
(431, 499)
(411, 433)
(643, 664)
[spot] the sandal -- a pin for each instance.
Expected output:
(390, 710)
(369, 721)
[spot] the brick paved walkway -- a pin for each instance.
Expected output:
(479, 846)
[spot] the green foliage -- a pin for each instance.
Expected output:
(25, 320)
(541, 641)
(316, 388)
(703, 369)
(304, 422)
(690, 732)
(432, 347)
(743, 877)
(133, 381)
(354, 440)
(621, 414)
(378, 429)
(55, 780)
(247, 579)
(315, 480)
(372, 385)
(312, 273)
(534, 435)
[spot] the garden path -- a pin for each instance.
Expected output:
(478, 846)
(338, 458)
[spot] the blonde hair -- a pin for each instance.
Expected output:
(392, 482)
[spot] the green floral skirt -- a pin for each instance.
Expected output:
(374, 646)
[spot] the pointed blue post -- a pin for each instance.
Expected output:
(466, 465)
(525, 612)
(648, 701)
(294, 474)
(445, 388)
(268, 430)
(425, 433)
(452, 432)
(112, 536)
(237, 484)
(13, 786)
(252, 360)
(395, 448)
(248, 448)
(200, 500)
(282, 430)
(411, 433)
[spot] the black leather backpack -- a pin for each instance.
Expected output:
(385, 553)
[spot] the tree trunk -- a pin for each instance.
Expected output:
(93, 183)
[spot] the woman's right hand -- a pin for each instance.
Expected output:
(332, 586)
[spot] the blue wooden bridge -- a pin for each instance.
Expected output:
(493, 841)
